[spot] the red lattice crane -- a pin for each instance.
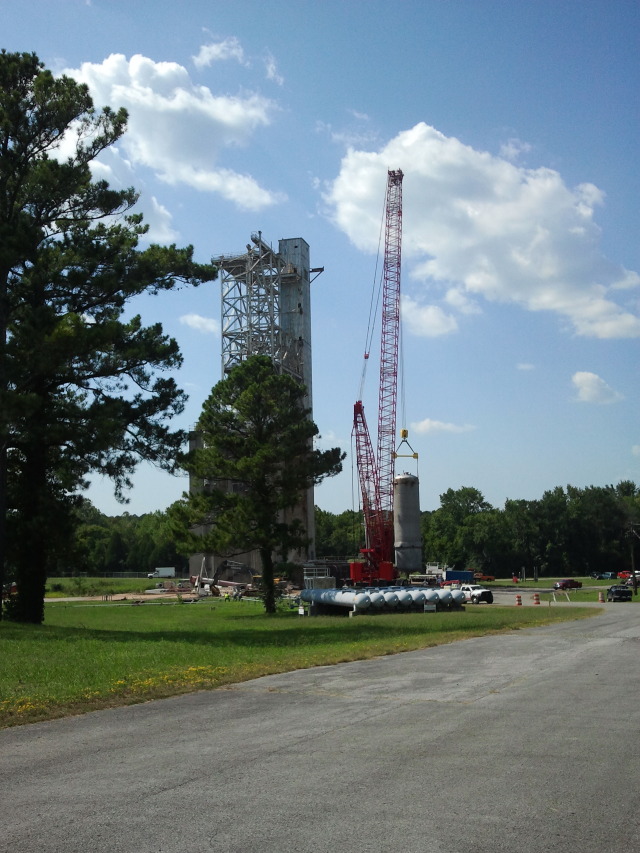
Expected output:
(376, 473)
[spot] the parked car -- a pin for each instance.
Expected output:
(567, 583)
(609, 576)
(619, 592)
(8, 590)
(482, 578)
(624, 575)
(600, 576)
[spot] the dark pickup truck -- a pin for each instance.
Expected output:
(619, 593)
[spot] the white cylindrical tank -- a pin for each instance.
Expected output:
(352, 598)
(431, 596)
(406, 523)
(390, 598)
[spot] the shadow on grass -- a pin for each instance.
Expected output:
(289, 631)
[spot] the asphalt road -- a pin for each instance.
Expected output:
(524, 742)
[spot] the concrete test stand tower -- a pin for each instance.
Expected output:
(266, 310)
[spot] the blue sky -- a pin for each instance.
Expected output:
(516, 125)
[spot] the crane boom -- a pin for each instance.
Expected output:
(376, 474)
(387, 402)
(374, 521)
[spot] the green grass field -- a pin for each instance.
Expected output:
(99, 655)
(578, 595)
(68, 587)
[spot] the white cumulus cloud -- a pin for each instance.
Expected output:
(591, 388)
(513, 148)
(178, 129)
(206, 325)
(271, 69)
(159, 220)
(229, 48)
(428, 321)
(476, 225)
(428, 426)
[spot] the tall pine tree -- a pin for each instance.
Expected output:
(79, 390)
(258, 436)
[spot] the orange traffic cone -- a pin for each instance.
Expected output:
(536, 598)
(601, 597)
(518, 601)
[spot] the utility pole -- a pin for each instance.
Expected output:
(632, 533)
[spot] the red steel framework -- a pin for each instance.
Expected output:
(376, 474)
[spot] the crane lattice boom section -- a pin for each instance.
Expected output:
(369, 486)
(387, 403)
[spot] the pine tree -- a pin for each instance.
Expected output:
(78, 384)
(257, 435)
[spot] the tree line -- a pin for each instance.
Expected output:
(568, 531)
(125, 543)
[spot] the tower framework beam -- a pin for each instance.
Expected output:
(253, 317)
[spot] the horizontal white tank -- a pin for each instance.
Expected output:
(338, 597)
(393, 598)
(377, 599)
(417, 596)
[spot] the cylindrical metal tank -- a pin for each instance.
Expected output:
(390, 598)
(377, 599)
(353, 599)
(406, 523)
(417, 596)
(431, 596)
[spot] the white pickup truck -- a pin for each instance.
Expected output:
(475, 593)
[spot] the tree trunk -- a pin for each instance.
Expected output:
(267, 580)
(32, 539)
(4, 431)
(3, 513)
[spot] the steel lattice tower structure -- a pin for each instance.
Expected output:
(266, 306)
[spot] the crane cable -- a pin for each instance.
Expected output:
(403, 406)
(374, 304)
(374, 310)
